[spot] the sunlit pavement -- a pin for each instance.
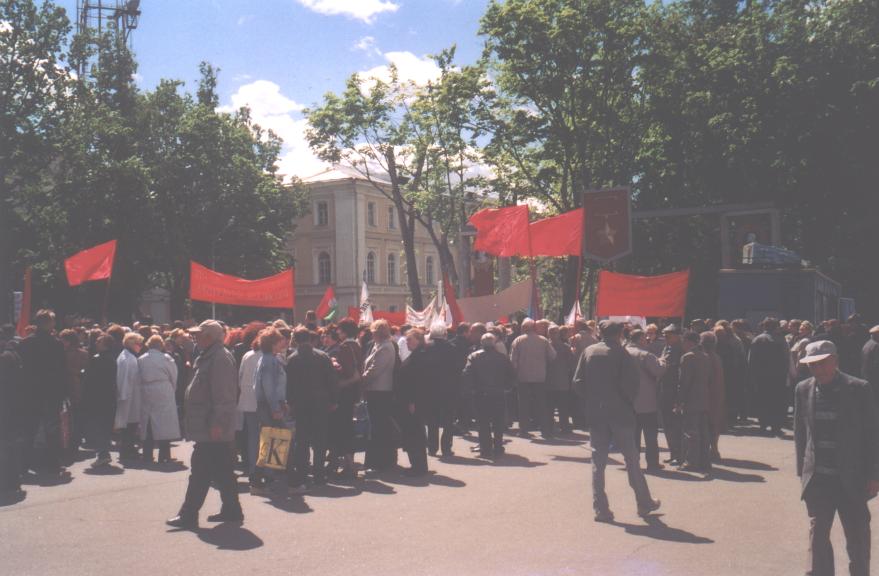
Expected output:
(527, 513)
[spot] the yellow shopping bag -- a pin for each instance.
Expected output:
(274, 447)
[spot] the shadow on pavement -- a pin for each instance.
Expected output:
(10, 498)
(658, 530)
(431, 478)
(678, 475)
(557, 441)
(746, 464)
(108, 470)
(732, 476)
(294, 503)
(46, 479)
(578, 459)
(507, 459)
(230, 537)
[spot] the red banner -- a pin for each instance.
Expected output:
(272, 292)
(624, 295)
(560, 235)
(502, 231)
(393, 318)
(95, 263)
(607, 224)
(24, 317)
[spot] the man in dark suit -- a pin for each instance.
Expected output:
(693, 396)
(607, 379)
(836, 428)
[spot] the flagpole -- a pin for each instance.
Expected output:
(104, 312)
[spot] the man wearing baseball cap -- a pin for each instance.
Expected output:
(210, 405)
(836, 429)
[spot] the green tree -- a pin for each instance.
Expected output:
(33, 81)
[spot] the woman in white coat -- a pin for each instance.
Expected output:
(128, 394)
(158, 381)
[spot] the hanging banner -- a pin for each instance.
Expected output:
(393, 318)
(490, 308)
(272, 292)
(502, 231)
(607, 224)
(662, 296)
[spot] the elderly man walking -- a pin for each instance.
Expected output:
(211, 402)
(531, 354)
(836, 431)
(607, 379)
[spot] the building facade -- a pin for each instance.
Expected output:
(352, 231)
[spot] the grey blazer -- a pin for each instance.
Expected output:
(857, 433)
(607, 379)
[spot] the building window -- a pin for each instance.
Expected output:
(392, 218)
(370, 268)
(324, 275)
(323, 214)
(428, 273)
(392, 269)
(370, 213)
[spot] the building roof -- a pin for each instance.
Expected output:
(339, 172)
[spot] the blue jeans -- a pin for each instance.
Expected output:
(623, 437)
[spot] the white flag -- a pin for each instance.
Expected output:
(365, 306)
(574, 314)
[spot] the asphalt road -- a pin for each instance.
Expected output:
(526, 514)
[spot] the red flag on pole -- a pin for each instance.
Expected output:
(95, 263)
(560, 235)
(449, 293)
(327, 304)
(624, 295)
(502, 231)
(272, 292)
(24, 316)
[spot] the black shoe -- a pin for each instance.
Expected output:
(183, 522)
(414, 472)
(604, 516)
(226, 517)
(651, 506)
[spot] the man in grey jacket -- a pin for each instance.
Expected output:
(607, 379)
(646, 406)
(210, 405)
(531, 354)
(836, 431)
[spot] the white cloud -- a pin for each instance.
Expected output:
(272, 110)
(367, 44)
(364, 10)
(264, 96)
(409, 67)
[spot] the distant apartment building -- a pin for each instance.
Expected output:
(351, 232)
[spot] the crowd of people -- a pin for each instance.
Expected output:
(349, 388)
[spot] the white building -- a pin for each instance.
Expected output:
(353, 231)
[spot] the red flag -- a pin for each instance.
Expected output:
(502, 231)
(24, 317)
(449, 293)
(327, 303)
(560, 235)
(272, 292)
(624, 295)
(96, 263)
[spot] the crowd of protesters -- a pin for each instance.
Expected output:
(380, 388)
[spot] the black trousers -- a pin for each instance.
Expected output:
(560, 400)
(10, 464)
(490, 416)
(435, 420)
(415, 441)
(825, 497)
(671, 425)
(311, 436)
(381, 453)
(211, 462)
(648, 425)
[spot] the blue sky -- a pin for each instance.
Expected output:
(281, 55)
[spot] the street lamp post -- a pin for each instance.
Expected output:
(214, 260)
